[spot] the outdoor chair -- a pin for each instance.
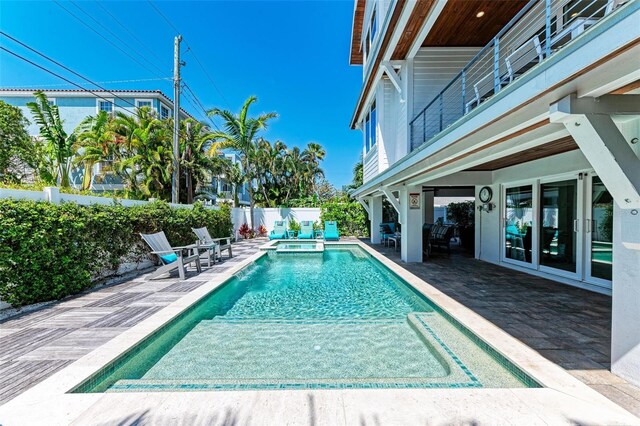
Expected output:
(331, 231)
(171, 257)
(387, 230)
(279, 230)
(306, 230)
(441, 236)
(523, 58)
(213, 246)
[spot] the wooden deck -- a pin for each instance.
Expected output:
(35, 345)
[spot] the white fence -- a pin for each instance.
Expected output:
(53, 195)
(267, 216)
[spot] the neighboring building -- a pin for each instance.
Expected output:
(223, 190)
(531, 107)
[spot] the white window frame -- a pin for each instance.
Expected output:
(99, 100)
(137, 102)
(372, 141)
(160, 111)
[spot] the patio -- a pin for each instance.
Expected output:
(37, 344)
(569, 326)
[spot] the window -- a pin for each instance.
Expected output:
(143, 103)
(106, 106)
(373, 29)
(51, 101)
(370, 123)
(164, 112)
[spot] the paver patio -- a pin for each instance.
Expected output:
(569, 326)
(35, 345)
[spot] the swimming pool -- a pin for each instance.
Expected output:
(336, 319)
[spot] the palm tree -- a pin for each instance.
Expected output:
(240, 132)
(94, 144)
(233, 174)
(59, 143)
(195, 164)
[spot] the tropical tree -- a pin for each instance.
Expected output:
(234, 175)
(240, 133)
(16, 147)
(94, 144)
(59, 144)
(195, 163)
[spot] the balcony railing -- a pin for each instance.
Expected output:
(537, 32)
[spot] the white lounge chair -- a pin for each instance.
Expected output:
(481, 89)
(213, 246)
(171, 257)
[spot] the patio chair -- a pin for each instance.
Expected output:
(387, 230)
(481, 90)
(279, 230)
(306, 230)
(523, 58)
(331, 231)
(171, 257)
(213, 246)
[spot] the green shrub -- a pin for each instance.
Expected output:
(293, 225)
(50, 251)
(351, 216)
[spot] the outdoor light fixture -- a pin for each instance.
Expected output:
(480, 14)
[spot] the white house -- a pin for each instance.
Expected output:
(533, 107)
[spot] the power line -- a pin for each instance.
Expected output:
(162, 15)
(62, 78)
(99, 82)
(114, 35)
(193, 53)
(186, 86)
(105, 38)
(66, 68)
(131, 33)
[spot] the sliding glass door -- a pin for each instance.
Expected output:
(599, 233)
(559, 247)
(518, 224)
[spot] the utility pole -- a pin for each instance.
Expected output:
(175, 181)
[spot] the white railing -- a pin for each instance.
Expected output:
(537, 32)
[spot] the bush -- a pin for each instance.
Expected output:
(293, 225)
(245, 231)
(351, 216)
(49, 251)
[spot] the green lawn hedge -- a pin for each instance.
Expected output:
(49, 251)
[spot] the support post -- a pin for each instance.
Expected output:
(625, 321)
(411, 220)
(175, 180)
(429, 201)
(375, 217)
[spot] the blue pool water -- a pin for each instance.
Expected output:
(310, 320)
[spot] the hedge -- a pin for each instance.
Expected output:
(49, 251)
(351, 216)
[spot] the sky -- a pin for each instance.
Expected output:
(293, 55)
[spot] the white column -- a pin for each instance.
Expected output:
(375, 216)
(625, 317)
(428, 206)
(411, 220)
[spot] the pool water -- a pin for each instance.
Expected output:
(311, 320)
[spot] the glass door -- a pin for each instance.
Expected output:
(599, 233)
(559, 245)
(518, 219)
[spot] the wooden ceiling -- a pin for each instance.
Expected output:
(355, 57)
(458, 26)
(556, 147)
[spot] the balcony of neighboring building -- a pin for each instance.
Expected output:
(539, 32)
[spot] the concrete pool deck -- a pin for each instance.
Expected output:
(564, 400)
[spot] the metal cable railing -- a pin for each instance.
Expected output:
(541, 28)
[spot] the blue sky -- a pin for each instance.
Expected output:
(293, 55)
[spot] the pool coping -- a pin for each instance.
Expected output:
(56, 405)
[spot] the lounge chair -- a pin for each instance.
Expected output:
(171, 257)
(331, 231)
(306, 230)
(279, 230)
(213, 246)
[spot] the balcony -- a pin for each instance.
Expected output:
(536, 33)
